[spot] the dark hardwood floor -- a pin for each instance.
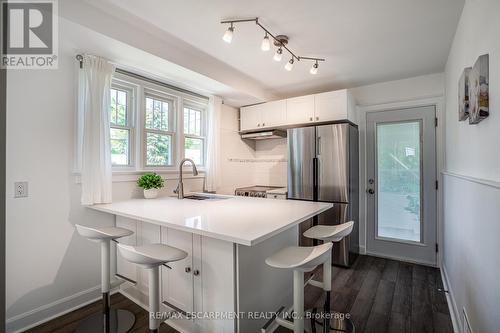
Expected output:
(381, 295)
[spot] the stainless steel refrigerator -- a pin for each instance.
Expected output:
(323, 166)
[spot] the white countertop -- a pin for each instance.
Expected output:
(240, 220)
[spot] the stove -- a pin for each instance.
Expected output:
(258, 191)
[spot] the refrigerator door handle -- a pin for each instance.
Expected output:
(315, 178)
(318, 145)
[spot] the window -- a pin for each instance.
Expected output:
(159, 131)
(120, 131)
(171, 125)
(194, 141)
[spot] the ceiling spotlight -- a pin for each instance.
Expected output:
(314, 68)
(278, 54)
(266, 45)
(289, 65)
(228, 35)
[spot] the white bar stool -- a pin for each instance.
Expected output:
(301, 259)
(151, 257)
(111, 320)
(329, 234)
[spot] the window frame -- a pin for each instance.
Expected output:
(172, 129)
(202, 108)
(140, 89)
(131, 91)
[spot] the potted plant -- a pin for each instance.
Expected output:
(150, 183)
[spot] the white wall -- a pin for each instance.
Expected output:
(49, 267)
(471, 210)
(381, 95)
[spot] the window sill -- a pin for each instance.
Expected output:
(131, 176)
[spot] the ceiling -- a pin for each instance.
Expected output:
(363, 41)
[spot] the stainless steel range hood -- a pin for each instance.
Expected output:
(271, 134)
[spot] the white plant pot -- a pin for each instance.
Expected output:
(151, 193)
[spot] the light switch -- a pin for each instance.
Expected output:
(20, 189)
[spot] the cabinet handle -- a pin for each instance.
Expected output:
(311, 118)
(317, 118)
(263, 124)
(196, 272)
(187, 269)
(258, 125)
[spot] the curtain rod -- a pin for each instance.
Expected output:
(79, 57)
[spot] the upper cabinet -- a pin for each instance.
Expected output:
(334, 105)
(318, 108)
(299, 110)
(263, 115)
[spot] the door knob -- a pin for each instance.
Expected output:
(187, 269)
(370, 191)
(196, 272)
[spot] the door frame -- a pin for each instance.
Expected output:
(438, 103)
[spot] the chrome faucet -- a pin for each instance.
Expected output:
(180, 187)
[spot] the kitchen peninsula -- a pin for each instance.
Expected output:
(227, 239)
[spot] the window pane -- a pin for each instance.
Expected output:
(113, 106)
(119, 146)
(158, 149)
(398, 167)
(118, 107)
(192, 121)
(121, 108)
(157, 114)
(193, 149)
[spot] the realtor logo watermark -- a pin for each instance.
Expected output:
(29, 34)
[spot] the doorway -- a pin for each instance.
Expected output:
(401, 184)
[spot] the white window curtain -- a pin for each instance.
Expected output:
(212, 170)
(93, 129)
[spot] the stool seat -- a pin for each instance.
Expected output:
(300, 257)
(102, 233)
(330, 233)
(151, 255)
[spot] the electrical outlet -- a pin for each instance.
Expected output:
(20, 189)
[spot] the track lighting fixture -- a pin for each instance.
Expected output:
(228, 35)
(266, 44)
(278, 54)
(280, 41)
(314, 68)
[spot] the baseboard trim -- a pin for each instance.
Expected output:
(44, 313)
(452, 305)
(425, 263)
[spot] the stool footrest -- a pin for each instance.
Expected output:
(176, 309)
(119, 280)
(311, 281)
(267, 326)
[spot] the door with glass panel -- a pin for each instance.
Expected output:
(401, 184)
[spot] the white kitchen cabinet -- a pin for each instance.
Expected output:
(273, 113)
(177, 283)
(318, 108)
(333, 106)
(300, 110)
(264, 115)
(250, 117)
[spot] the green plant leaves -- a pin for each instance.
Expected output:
(150, 180)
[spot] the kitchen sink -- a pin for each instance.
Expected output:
(203, 197)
